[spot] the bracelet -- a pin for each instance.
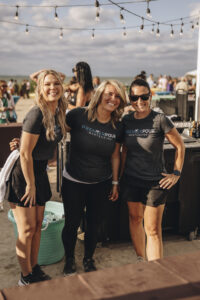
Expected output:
(115, 182)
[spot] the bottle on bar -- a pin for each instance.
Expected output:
(197, 130)
(193, 129)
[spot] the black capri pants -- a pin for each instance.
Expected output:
(77, 196)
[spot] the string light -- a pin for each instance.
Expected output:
(153, 30)
(121, 16)
(181, 30)
(197, 24)
(192, 26)
(142, 26)
(92, 36)
(97, 5)
(97, 16)
(27, 31)
(56, 15)
(148, 12)
(17, 13)
(61, 34)
(124, 32)
(172, 31)
(158, 30)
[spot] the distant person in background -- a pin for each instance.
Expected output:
(182, 86)
(23, 89)
(83, 89)
(28, 86)
(163, 83)
(11, 86)
(170, 85)
(16, 88)
(7, 104)
(96, 82)
(150, 81)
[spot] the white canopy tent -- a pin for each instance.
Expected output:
(191, 73)
(197, 106)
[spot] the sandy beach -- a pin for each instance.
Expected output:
(115, 254)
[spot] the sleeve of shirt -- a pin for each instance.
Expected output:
(33, 121)
(72, 116)
(166, 124)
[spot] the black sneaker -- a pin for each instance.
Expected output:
(26, 280)
(70, 266)
(88, 264)
(37, 271)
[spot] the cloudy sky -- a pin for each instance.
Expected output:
(110, 53)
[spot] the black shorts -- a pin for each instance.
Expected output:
(148, 193)
(16, 185)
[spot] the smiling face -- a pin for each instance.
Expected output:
(141, 106)
(52, 89)
(110, 99)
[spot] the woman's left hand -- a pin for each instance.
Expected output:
(168, 181)
(114, 193)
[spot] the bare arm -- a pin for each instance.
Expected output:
(28, 142)
(115, 161)
(175, 139)
(34, 76)
(81, 98)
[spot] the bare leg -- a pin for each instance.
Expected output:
(152, 225)
(37, 235)
(136, 212)
(25, 218)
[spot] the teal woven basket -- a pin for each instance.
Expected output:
(51, 246)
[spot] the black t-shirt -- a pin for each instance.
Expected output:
(33, 123)
(144, 140)
(91, 147)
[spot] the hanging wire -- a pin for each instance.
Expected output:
(17, 13)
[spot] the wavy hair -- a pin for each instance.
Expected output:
(84, 76)
(96, 100)
(48, 116)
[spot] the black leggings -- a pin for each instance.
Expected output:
(77, 196)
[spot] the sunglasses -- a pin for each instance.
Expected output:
(74, 70)
(144, 97)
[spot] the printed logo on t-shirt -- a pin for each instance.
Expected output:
(99, 134)
(139, 132)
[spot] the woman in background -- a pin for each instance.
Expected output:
(83, 88)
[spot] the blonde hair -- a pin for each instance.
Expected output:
(48, 116)
(96, 100)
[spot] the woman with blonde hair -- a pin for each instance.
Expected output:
(91, 171)
(28, 187)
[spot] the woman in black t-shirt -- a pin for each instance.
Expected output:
(91, 168)
(145, 181)
(28, 186)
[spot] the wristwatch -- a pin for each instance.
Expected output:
(177, 172)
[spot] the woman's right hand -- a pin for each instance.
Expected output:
(14, 144)
(29, 196)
